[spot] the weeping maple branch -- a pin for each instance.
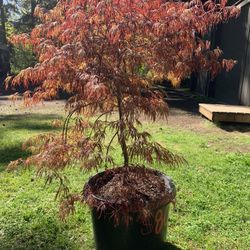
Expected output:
(109, 145)
(67, 119)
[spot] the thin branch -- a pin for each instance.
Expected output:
(108, 147)
(98, 118)
(66, 123)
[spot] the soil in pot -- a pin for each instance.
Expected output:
(129, 208)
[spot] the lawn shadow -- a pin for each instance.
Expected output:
(234, 127)
(44, 233)
(169, 246)
(12, 150)
(29, 121)
(11, 153)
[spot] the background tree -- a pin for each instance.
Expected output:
(3, 35)
(26, 20)
(4, 51)
(17, 17)
(109, 56)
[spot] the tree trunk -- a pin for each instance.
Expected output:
(4, 51)
(3, 36)
(33, 19)
(122, 139)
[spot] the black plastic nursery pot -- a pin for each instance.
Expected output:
(137, 235)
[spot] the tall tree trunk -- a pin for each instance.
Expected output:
(121, 135)
(33, 19)
(4, 51)
(3, 36)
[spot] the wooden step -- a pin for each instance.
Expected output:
(225, 113)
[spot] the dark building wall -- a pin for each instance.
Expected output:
(244, 93)
(233, 38)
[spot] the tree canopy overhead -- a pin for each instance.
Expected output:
(111, 40)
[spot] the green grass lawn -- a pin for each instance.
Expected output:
(213, 201)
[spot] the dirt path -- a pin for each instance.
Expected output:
(8, 107)
(184, 110)
(183, 114)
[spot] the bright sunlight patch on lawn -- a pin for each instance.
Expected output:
(213, 200)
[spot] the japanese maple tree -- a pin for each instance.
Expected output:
(108, 56)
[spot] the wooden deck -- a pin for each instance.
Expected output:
(225, 113)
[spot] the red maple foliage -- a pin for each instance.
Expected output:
(109, 55)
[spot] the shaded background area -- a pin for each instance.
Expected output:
(234, 39)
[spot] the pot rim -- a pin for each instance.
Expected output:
(169, 184)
